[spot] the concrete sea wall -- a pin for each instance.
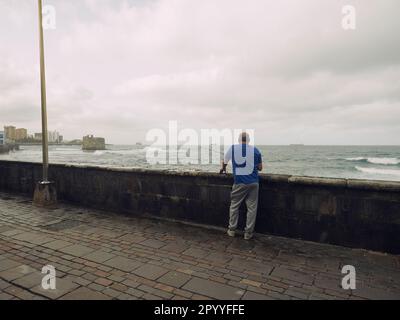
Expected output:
(353, 213)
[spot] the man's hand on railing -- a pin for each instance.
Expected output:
(223, 170)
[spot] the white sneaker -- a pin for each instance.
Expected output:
(231, 233)
(248, 236)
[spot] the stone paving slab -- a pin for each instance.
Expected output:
(35, 238)
(77, 250)
(100, 255)
(8, 264)
(150, 272)
(5, 229)
(293, 275)
(15, 273)
(62, 288)
(176, 247)
(57, 244)
(213, 289)
(29, 281)
(152, 243)
(85, 294)
(132, 238)
(195, 252)
(123, 264)
(255, 296)
(174, 279)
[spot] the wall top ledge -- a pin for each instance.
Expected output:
(376, 185)
(330, 182)
(373, 185)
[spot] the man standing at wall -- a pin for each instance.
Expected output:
(246, 163)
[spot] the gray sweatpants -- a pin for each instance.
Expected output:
(240, 193)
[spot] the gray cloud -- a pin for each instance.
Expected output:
(285, 68)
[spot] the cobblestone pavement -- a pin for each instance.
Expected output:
(102, 255)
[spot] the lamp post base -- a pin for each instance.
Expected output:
(45, 195)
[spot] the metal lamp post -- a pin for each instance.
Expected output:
(45, 147)
(45, 192)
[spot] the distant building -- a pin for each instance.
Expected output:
(53, 136)
(60, 139)
(21, 134)
(10, 133)
(91, 143)
(2, 138)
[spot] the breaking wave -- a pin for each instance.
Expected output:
(385, 161)
(118, 152)
(391, 172)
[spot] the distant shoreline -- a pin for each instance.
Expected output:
(50, 144)
(261, 145)
(56, 144)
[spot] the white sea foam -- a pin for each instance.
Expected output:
(385, 161)
(391, 172)
(356, 159)
(118, 152)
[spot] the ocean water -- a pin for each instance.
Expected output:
(358, 162)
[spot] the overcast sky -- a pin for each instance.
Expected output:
(118, 68)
